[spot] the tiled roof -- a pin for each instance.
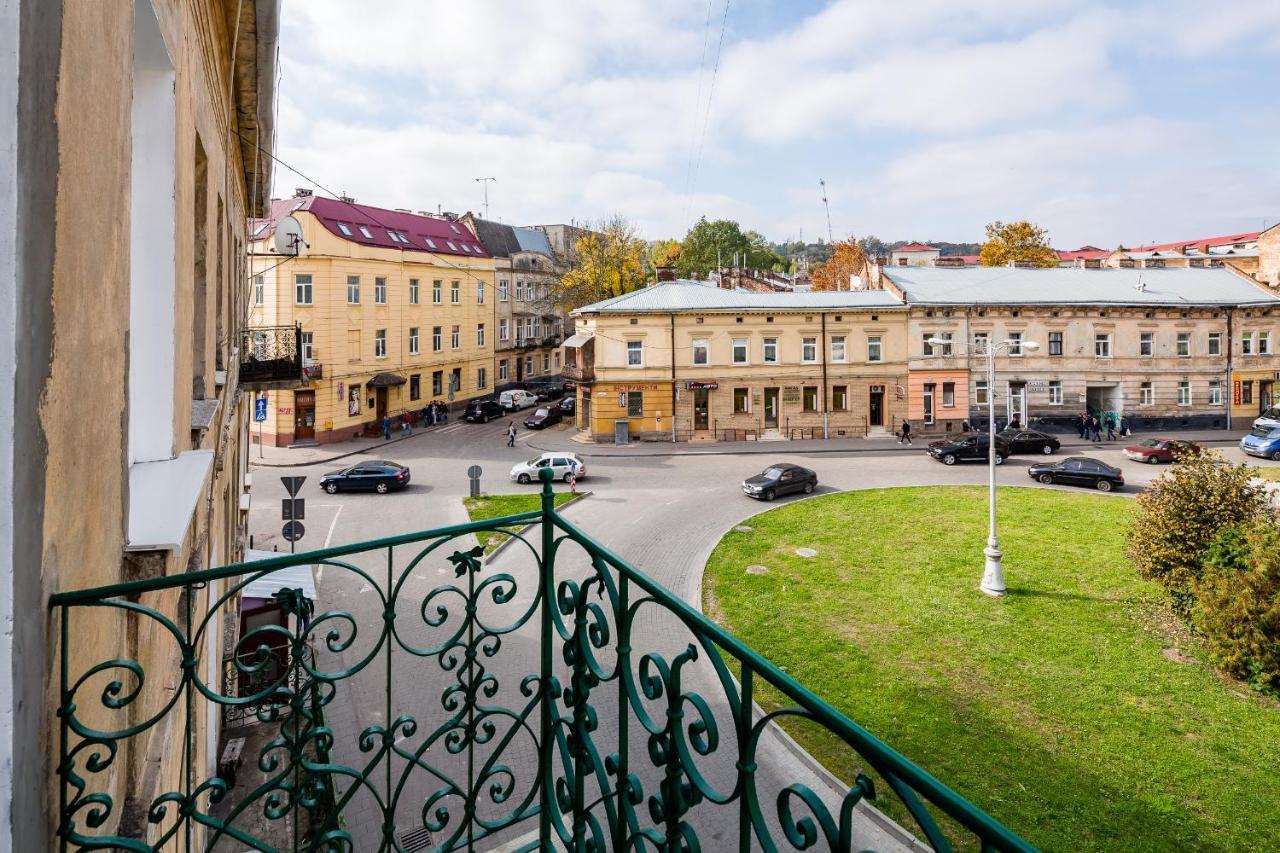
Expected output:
(686, 295)
(1067, 286)
(916, 247)
(373, 226)
(1245, 237)
(1088, 253)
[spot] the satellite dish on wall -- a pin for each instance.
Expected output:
(288, 238)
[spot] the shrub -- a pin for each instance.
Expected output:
(1180, 515)
(1238, 606)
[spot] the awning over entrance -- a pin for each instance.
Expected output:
(578, 340)
(290, 577)
(386, 380)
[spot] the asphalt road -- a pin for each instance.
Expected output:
(662, 513)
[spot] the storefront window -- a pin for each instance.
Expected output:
(810, 398)
(740, 397)
(635, 404)
(840, 398)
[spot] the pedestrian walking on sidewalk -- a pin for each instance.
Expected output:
(408, 423)
(386, 427)
(1111, 427)
(511, 434)
(906, 432)
(1096, 428)
(1084, 424)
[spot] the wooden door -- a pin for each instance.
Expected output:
(304, 415)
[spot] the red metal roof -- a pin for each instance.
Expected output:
(916, 247)
(373, 226)
(1225, 239)
(1088, 253)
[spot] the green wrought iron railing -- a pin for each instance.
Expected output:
(551, 695)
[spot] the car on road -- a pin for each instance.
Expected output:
(1262, 441)
(514, 401)
(1270, 419)
(561, 464)
(967, 447)
(482, 411)
(1153, 451)
(543, 417)
(780, 478)
(374, 476)
(550, 392)
(568, 405)
(1030, 441)
(1078, 471)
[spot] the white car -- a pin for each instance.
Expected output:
(1270, 419)
(563, 465)
(514, 401)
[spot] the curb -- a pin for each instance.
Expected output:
(502, 546)
(394, 440)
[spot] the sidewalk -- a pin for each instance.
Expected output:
(294, 457)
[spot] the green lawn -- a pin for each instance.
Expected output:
(1054, 709)
(495, 506)
(1267, 472)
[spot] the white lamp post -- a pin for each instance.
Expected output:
(993, 574)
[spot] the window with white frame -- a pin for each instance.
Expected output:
(479, 292)
(1246, 343)
(546, 362)
(308, 347)
(942, 349)
(1184, 393)
(379, 290)
(519, 291)
(808, 350)
(437, 292)
(770, 351)
(437, 339)
(502, 370)
(413, 291)
(259, 285)
(635, 353)
(353, 290)
(504, 329)
(838, 349)
(557, 359)
(1146, 394)
(380, 343)
(701, 353)
(739, 350)
(1264, 343)
(875, 348)
(1147, 345)
(1215, 392)
(455, 338)
(948, 395)
(413, 340)
(302, 288)
(1055, 392)
(480, 334)
(1015, 343)
(981, 392)
(1184, 344)
(455, 292)
(1215, 343)
(502, 290)
(482, 378)
(1102, 345)
(980, 341)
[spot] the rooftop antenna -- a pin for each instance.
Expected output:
(823, 184)
(486, 181)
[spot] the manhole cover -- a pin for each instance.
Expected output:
(413, 840)
(806, 552)
(743, 528)
(757, 570)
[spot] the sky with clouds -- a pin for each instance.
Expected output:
(1105, 122)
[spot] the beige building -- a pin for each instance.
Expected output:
(136, 159)
(914, 255)
(1164, 348)
(530, 325)
(396, 310)
(685, 360)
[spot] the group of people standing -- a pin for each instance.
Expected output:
(1091, 426)
(432, 413)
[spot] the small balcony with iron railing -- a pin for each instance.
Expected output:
(271, 358)
(546, 696)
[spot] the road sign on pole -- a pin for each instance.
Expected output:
(474, 473)
(292, 484)
(293, 531)
(260, 409)
(293, 509)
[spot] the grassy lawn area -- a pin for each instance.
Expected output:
(1054, 709)
(1267, 472)
(496, 506)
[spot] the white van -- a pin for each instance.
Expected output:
(514, 401)
(1270, 419)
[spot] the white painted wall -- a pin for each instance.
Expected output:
(152, 268)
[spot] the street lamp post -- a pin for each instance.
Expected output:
(993, 573)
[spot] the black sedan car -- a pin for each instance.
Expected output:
(482, 411)
(548, 393)
(1030, 441)
(780, 478)
(543, 417)
(1078, 471)
(375, 476)
(568, 405)
(967, 447)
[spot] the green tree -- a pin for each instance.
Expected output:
(1238, 604)
(608, 260)
(1180, 515)
(719, 241)
(1017, 241)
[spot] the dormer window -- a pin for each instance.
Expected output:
(452, 247)
(430, 242)
(456, 229)
(464, 248)
(342, 226)
(365, 232)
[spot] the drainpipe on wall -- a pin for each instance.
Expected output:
(1229, 397)
(826, 415)
(674, 390)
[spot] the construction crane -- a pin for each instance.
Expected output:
(822, 183)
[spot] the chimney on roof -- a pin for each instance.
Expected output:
(346, 198)
(1204, 248)
(302, 192)
(452, 217)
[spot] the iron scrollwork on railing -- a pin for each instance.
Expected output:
(550, 691)
(271, 354)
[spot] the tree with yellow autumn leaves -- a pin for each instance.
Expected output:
(847, 260)
(608, 260)
(1020, 241)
